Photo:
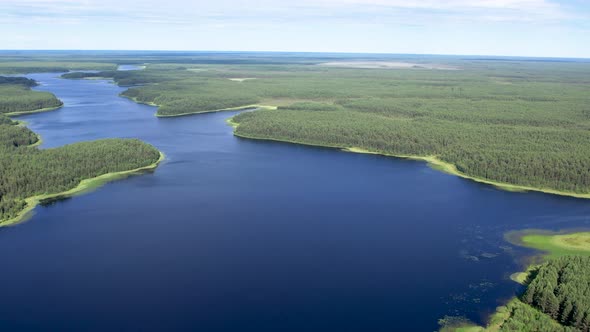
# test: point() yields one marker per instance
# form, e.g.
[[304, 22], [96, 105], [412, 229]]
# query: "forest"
[[16, 96], [27, 82], [21, 65], [27, 171], [557, 298], [561, 290], [507, 122]]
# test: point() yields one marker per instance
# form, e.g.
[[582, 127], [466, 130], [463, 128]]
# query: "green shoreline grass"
[[237, 108], [40, 110], [84, 186], [433, 161], [553, 244]]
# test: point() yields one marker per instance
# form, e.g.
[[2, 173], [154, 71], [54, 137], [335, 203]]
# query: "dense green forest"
[[561, 290], [26, 171], [524, 123], [18, 80], [16, 96], [19, 66], [557, 298], [524, 318]]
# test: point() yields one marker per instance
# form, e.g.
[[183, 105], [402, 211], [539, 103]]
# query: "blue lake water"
[[231, 234]]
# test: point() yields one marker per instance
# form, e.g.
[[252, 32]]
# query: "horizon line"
[[297, 52]]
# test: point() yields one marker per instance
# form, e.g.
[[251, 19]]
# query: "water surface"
[[238, 235]]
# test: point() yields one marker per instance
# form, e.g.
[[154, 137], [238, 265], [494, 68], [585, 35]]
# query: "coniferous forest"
[[561, 290], [16, 96], [525, 123], [519, 123], [556, 299], [27, 171]]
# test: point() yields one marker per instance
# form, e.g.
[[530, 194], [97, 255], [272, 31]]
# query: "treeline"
[[177, 99], [50, 66], [561, 290], [26, 171], [18, 81], [523, 123], [20, 98], [311, 106], [13, 135], [80, 75], [524, 318], [528, 156], [556, 299]]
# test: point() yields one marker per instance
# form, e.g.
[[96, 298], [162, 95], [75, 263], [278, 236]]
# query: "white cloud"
[[233, 11]]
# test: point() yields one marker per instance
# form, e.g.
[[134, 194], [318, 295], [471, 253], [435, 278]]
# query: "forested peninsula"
[[29, 175], [16, 97], [556, 299], [516, 125], [557, 294]]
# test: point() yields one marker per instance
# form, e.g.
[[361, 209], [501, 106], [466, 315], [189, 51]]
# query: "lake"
[[230, 234]]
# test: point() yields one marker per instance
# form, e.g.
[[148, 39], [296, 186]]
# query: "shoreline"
[[84, 186], [548, 245], [237, 108], [552, 243], [40, 110], [433, 161]]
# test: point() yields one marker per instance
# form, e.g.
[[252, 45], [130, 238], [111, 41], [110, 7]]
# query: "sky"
[[548, 28]]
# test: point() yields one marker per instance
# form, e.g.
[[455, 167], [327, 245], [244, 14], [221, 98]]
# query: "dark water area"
[[231, 234]]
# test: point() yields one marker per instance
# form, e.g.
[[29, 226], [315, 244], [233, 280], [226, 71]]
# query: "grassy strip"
[[433, 161], [134, 99], [34, 111], [556, 245], [449, 168], [525, 277], [504, 314], [238, 108], [39, 141], [85, 185]]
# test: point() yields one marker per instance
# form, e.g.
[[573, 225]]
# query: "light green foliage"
[[559, 244], [14, 66], [524, 318], [514, 316]]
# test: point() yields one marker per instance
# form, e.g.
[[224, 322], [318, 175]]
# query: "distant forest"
[[521, 123]]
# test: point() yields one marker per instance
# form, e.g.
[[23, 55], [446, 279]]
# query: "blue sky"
[[482, 27]]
